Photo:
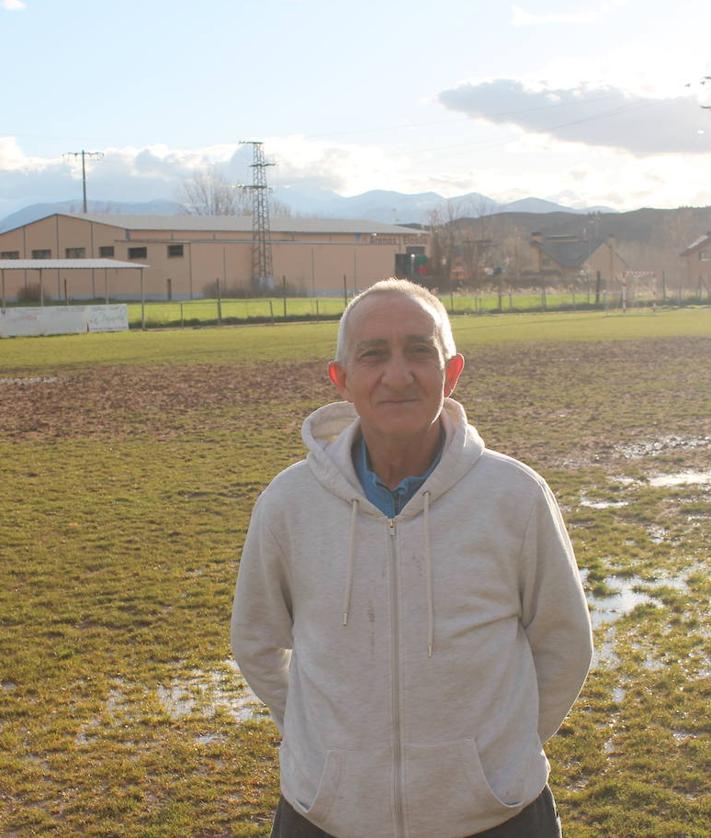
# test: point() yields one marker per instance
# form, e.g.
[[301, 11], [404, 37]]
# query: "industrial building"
[[184, 255]]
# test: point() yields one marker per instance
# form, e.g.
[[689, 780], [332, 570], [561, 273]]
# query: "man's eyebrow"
[[376, 343]]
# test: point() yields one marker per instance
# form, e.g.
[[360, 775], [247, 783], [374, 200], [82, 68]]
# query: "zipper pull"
[[391, 526]]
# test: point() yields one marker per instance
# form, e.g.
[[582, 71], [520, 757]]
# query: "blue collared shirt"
[[389, 502]]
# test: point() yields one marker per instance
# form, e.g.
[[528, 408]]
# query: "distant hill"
[[376, 205]]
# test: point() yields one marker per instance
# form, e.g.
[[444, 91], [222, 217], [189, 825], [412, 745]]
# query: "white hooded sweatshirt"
[[413, 665]]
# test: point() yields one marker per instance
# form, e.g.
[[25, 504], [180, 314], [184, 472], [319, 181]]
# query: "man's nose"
[[397, 372]]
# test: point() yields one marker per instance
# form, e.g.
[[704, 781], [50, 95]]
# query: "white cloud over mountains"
[[13, 5], [158, 171], [593, 115]]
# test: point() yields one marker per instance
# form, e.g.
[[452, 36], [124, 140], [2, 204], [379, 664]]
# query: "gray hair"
[[407, 289]]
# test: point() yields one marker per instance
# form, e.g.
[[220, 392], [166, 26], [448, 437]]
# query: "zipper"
[[397, 733]]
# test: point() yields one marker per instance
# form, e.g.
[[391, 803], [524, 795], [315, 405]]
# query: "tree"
[[208, 193]]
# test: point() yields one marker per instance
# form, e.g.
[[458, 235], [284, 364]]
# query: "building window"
[[10, 254], [705, 256], [175, 250], [106, 252], [41, 254], [137, 252], [75, 252]]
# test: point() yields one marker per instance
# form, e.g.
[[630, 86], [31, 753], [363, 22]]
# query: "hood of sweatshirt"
[[330, 432]]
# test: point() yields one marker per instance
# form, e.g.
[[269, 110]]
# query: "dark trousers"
[[538, 820]]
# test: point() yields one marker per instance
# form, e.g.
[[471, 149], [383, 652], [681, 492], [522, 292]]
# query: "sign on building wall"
[[62, 320]]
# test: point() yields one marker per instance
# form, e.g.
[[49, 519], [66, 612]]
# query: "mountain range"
[[377, 205]]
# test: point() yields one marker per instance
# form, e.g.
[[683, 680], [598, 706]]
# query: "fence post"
[[271, 311], [182, 317], [219, 303], [283, 286], [451, 302], [143, 303], [345, 292], [66, 296]]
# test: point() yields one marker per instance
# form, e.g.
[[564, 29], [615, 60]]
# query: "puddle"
[[682, 478], [602, 504], [683, 735], [624, 599], [9, 686], [202, 692], [625, 481], [579, 785], [23, 382], [652, 664], [207, 692], [618, 695], [604, 653], [657, 534], [209, 738], [652, 448]]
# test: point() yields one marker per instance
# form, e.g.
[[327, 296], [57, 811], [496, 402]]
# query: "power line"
[[92, 155]]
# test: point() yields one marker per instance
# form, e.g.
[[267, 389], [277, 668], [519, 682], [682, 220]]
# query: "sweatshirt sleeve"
[[261, 627], [554, 613]]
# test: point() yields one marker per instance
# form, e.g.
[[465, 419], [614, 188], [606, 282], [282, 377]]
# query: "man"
[[408, 604]]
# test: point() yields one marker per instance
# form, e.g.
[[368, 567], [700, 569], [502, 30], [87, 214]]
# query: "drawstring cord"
[[428, 576], [351, 551]]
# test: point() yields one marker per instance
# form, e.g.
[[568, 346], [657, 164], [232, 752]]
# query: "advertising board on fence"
[[62, 320]]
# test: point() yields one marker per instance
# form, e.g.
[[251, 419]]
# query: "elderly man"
[[408, 603]]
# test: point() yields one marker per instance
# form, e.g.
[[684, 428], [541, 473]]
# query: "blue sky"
[[585, 103]]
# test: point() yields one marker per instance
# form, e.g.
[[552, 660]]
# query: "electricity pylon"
[[262, 272]]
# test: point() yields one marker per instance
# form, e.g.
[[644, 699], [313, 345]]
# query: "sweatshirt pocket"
[[349, 797], [446, 791]]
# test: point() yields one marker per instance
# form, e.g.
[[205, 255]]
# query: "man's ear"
[[337, 374], [452, 370]]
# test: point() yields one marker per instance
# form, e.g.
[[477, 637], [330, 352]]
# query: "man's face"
[[395, 372]]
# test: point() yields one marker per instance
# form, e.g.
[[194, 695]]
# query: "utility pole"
[[92, 155], [262, 271]]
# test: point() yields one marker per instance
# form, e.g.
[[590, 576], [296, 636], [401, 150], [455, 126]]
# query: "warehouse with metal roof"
[[186, 254]]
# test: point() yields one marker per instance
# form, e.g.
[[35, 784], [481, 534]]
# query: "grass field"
[[130, 465], [194, 312]]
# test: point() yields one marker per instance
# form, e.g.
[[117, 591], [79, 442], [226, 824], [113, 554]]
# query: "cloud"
[[589, 14], [593, 115], [13, 5], [158, 171]]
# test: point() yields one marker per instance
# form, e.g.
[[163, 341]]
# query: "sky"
[[585, 102]]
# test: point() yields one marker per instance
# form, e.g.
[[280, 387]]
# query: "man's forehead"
[[374, 314]]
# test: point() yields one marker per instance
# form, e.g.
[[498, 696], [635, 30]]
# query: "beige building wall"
[[182, 263]]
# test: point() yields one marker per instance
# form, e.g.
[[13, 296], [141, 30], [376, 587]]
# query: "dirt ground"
[[574, 402]]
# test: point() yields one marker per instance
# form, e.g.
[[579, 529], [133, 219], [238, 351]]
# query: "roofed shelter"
[[61, 265]]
